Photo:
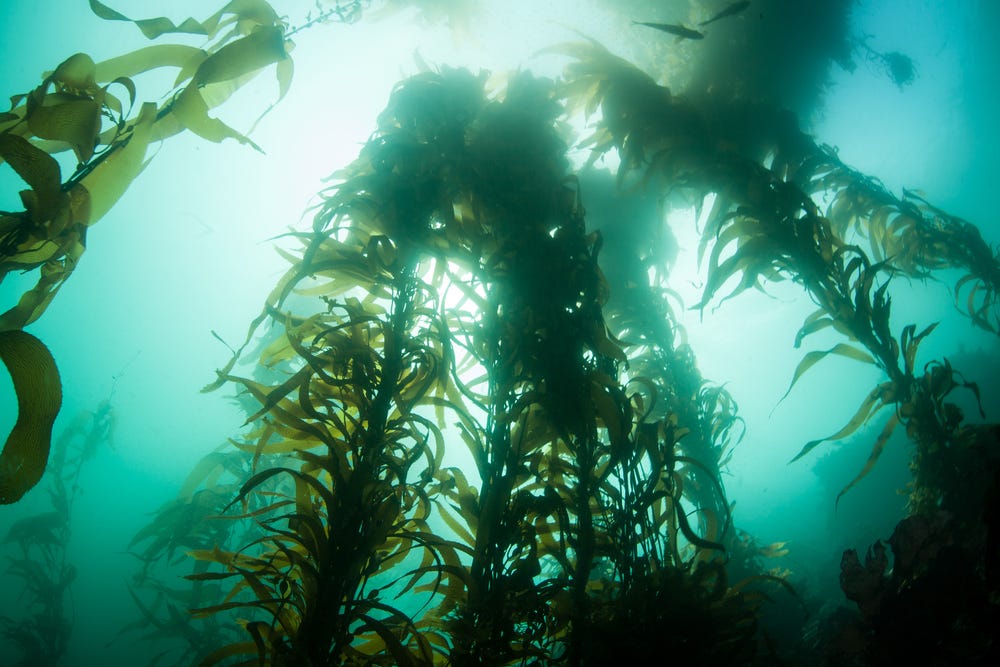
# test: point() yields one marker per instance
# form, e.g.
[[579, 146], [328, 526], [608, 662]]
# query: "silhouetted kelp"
[[581, 479], [768, 216], [937, 603], [457, 295], [42, 632]]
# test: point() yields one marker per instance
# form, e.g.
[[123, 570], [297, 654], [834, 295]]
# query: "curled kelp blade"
[[39, 396]]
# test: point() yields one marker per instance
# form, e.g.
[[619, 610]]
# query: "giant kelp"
[[763, 177], [581, 494], [765, 226], [72, 109], [79, 107], [450, 298]]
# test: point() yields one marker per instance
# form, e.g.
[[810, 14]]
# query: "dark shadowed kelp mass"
[[476, 432]]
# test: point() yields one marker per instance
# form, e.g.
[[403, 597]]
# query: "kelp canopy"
[[475, 432]]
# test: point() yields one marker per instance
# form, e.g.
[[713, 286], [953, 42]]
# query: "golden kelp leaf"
[[9, 119], [876, 452], [284, 71], [114, 106], [222, 374], [610, 414], [254, 12], [459, 529], [811, 358], [191, 110], [910, 342], [33, 245], [639, 398], [388, 634], [774, 550], [70, 118], [259, 49], [51, 277], [39, 397], [153, 28], [604, 344], [753, 256], [75, 74], [691, 535], [816, 321], [277, 351], [39, 170], [873, 403], [206, 466], [109, 180], [146, 59]]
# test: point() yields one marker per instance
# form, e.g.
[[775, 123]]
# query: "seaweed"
[[71, 109], [765, 227], [451, 301], [581, 493], [42, 566], [39, 397], [934, 604]]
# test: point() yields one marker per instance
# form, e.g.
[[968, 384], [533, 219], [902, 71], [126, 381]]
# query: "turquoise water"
[[188, 251]]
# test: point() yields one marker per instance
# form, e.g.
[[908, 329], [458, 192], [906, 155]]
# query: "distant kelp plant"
[[41, 565], [188, 523]]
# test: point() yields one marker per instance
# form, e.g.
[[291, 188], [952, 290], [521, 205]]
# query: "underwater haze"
[[608, 153]]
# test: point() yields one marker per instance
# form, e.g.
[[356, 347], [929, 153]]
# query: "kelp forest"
[[476, 432]]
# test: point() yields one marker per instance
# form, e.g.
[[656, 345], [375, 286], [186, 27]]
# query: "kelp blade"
[[39, 397]]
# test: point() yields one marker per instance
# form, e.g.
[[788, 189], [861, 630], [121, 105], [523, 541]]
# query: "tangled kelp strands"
[[476, 433], [428, 261], [764, 211], [582, 492]]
